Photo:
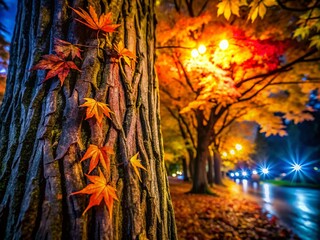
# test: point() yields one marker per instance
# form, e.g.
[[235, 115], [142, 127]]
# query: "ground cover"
[[229, 215]]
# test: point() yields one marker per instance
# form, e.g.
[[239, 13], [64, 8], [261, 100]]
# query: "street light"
[[202, 49], [297, 167], [194, 53], [238, 147], [224, 44]]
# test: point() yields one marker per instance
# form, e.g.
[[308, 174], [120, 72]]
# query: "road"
[[296, 208]]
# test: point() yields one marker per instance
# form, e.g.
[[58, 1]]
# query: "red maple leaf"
[[91, 20], [98, 154], [64, 49], [56, 65], [99, 189]]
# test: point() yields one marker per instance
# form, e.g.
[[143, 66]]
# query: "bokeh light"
[[224, 44]]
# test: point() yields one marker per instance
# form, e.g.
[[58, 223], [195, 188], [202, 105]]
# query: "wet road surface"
[[296, 208]]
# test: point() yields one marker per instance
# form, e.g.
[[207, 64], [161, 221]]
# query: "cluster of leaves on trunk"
[[60, 64]]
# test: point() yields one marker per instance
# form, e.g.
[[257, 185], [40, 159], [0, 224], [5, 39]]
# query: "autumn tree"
[[81, 86], [263, 75]]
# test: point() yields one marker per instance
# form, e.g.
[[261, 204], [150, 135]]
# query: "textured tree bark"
[[43, 134]]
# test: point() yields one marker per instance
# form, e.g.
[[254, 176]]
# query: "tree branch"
[[283, 6], [281, 69]]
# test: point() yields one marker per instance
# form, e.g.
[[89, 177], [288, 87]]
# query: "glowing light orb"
[[232, 174], [254, 172], [232, 152], [224, 44], [194, 53], [237, 174], [296, 167], [202, 49], [238, 146], [224, 154], [265, 170], [244, 173]]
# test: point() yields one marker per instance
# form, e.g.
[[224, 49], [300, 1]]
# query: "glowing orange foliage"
[[98, 154], [99, 190], [91, 20], [96, 109]]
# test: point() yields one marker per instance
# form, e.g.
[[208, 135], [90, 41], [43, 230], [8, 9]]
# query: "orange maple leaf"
[[137, 164], [64, 49], [56, 65], [91, 20], [96, 109], [99, 189], [98, 154], [124, 53]]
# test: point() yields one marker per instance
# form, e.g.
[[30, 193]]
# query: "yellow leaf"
[[221, 7], [270, 3], [243, 3], [96, 109], [303, 32], [235, 7], [315, 41], [124, 53], [262, 10], [254, 14], [135, 163]]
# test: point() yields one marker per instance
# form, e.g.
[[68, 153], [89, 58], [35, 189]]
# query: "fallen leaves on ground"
[[228, 215]]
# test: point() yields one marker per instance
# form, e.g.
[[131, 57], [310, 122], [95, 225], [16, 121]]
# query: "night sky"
[[7, 18]]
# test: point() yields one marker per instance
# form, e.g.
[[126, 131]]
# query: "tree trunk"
[[210, 168], [217, 168], [191, 161], [199, 178], [43, 134], [185, 169]]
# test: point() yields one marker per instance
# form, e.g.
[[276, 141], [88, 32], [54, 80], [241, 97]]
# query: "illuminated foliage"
[[263, 75]]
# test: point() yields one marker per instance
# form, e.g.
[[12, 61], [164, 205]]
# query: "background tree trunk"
[[199, 178], [43, 134], [185, 169], [217, 168], [210, 168]]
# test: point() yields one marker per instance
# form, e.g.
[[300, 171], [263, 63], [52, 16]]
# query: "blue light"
[[244, 173], [254, 172], [265, 170], [237, 174], [297, 167], [232, 174]]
